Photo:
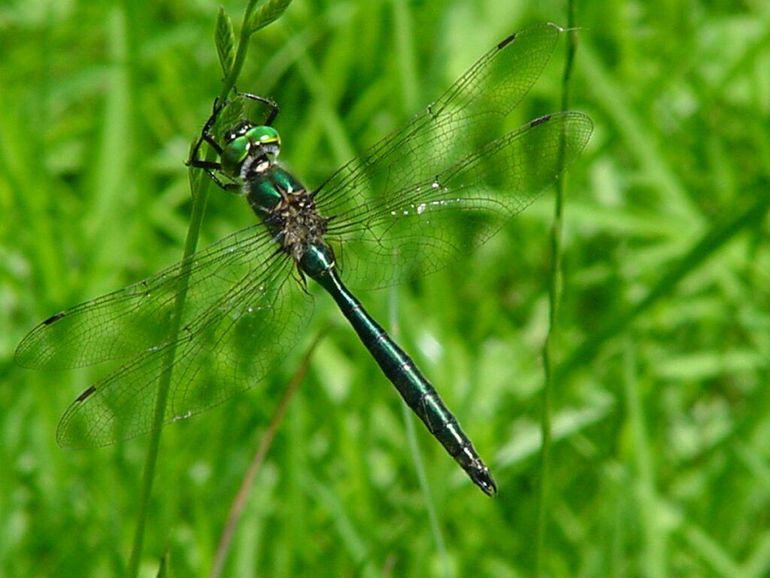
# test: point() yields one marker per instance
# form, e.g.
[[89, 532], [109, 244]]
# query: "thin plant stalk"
[[200, 198], [554, 300], [406, 59], [417, 461]]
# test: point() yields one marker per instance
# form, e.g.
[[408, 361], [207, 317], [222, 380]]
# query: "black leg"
[[213, 168], [207, 137], [269, 103]]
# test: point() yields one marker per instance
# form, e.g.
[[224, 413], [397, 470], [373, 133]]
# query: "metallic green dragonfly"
[[421, 197]]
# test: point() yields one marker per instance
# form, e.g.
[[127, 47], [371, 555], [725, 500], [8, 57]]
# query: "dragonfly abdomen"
[[318, 263]]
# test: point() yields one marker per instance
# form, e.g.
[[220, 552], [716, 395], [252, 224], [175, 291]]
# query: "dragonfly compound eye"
[[267, 139], [255, 142], [235, 152]]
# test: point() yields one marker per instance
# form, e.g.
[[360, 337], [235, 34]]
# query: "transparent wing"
[[137, 318], [216, 356], [430, 222], [472, 106], [243, 313], [380, 187]]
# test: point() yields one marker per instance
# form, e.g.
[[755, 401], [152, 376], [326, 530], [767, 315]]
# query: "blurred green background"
[[660, 464]]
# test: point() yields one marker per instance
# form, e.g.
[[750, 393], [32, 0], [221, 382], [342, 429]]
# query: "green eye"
[[255, 140], [264, 135], [234, 153]]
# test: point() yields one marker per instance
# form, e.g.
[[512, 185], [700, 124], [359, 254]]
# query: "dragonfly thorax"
[[287, 209]]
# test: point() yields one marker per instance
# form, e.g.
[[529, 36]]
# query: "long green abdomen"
[[399, 368]]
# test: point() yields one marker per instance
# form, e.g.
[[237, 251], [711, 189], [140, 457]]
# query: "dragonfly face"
[[249, 149]]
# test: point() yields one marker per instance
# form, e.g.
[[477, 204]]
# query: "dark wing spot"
[[541, 120], [86, 394], [506, 41], [54, 318]]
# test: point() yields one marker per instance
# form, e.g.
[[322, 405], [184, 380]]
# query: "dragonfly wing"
[[466, 116], [434, 221], [222, 352], [126, 322]]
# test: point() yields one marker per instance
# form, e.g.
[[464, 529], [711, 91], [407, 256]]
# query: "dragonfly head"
[[249, 142]]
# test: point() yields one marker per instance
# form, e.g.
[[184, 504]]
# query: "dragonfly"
[[418, 200]]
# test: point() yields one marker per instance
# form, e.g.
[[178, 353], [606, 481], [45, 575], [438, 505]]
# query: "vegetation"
[[659, 465]]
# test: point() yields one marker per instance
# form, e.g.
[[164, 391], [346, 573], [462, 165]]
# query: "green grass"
[[660, 453]]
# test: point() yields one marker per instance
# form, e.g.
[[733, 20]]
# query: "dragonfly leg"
[[208, 137], [211, 167], [268, 102]]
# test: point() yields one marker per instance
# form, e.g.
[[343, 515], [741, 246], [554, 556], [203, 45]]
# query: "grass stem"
[[554, 298]]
